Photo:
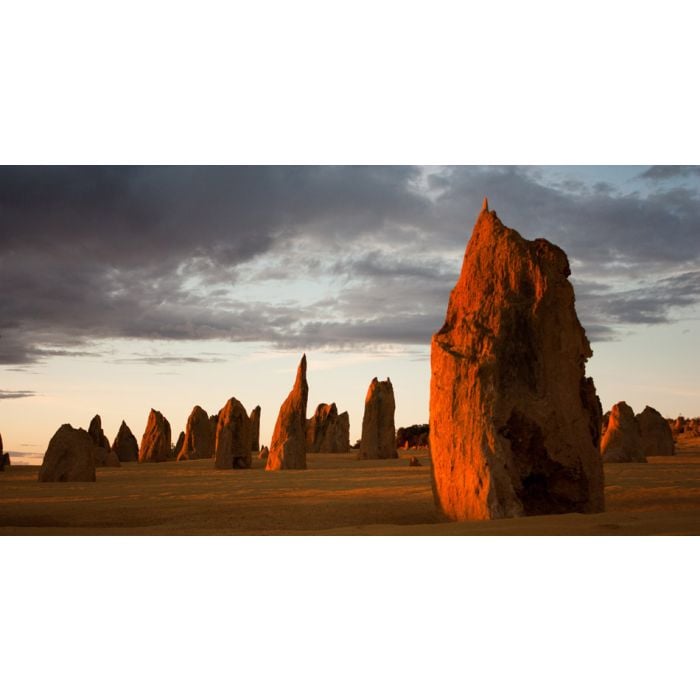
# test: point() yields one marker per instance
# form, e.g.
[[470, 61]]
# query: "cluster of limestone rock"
[[4, 457], [682, 425], [630, 438]]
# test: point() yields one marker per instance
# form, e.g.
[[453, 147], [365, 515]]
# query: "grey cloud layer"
[[161, 253]]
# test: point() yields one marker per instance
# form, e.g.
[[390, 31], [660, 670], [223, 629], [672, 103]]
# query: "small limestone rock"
[[288, 446], [156, 441], [255, 429], [328, 431], [70, 456], [622, 441], [104, 456], [198, 440], [264, 453], [125, 445], [514, 421], [378, 432], [655, 432], [233, 437], [414, 462], [177, 448]]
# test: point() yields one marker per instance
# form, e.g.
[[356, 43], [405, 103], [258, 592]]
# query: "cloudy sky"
[[124, 288]]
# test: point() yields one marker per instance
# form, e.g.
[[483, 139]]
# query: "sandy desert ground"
[[336, 495]]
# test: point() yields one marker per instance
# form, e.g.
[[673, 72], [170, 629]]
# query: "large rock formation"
[[514, 421], [155, 443], [70, 456], [255, 429], [125, 445], [622, 441], [233, 437], [328, 431], [378, 439], [199, 439], [288, 446], [104, 455], [655, 433]]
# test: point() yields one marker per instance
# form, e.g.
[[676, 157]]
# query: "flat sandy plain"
[[336, 495]]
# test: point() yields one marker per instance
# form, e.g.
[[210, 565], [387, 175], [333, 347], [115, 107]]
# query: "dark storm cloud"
[[159, 253], [664, 172]]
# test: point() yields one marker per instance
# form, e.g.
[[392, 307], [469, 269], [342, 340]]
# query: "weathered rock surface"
[[327, 430], [125, 445], [622, 441], [378, 439], [255, 429], [655, 433], [514, 422], [198, 441], [288, 446], [156, 440], [233, 437], [104, 456], [70, 456]]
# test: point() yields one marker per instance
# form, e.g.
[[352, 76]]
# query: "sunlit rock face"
[[378, 431], [622, 441], [288, 445], [155, 443], [327, 430], [514, 421], [233, 437], [255, 428], [70, 456], [125, 445], [198, 440], [655, 433]]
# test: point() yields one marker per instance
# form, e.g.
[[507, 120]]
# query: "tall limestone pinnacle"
[[288, 446], [514, 421]]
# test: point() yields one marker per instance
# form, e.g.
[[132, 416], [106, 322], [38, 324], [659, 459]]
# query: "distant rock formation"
[[328, 431], [288, 446], [233, 437], [514, 421], [179, 444], [414, 462], [412, 436], [655, 433], [70, 456], [255, 429], [198, 441], [378, 439], [156, 440], [4, 457], [125, 445], [622, 441], [104, 455], [264, 453]]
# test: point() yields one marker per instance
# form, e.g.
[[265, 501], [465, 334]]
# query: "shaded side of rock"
[[233, 437], [156, 441], [622, 441], [125, 445], [378, 439], [69, 456], [288, 446], [514, 421], [179, 445], [655, 433]]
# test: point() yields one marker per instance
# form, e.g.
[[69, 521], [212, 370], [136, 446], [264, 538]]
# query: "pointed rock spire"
[[288, 446], [485, 205]]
